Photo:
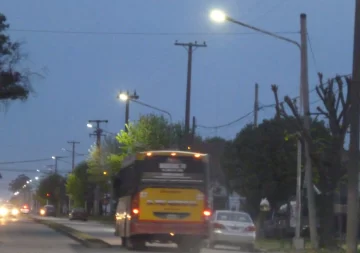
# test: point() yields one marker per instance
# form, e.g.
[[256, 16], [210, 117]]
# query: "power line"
[[261, 107], [140, 33], [26, 171], [230, 123], [27, 161]]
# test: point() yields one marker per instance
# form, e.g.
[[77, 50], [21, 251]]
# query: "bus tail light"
[[207, 211], [135, 205]]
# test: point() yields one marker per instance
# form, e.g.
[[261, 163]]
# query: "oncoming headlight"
[[42, 212], [3, 211], [14, 211]]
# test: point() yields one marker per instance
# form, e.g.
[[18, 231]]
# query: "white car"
[[232, 228]]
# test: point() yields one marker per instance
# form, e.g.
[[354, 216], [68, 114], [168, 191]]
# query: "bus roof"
[[169, 152], [141, 155]]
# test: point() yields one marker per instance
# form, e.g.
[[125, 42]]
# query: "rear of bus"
[[171, 203]]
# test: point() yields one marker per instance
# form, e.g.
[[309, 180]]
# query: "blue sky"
[[85, 70]]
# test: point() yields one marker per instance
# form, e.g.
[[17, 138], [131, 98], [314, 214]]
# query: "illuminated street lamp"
[[127, 97], [89, 125], [123, 96], [218, 16]]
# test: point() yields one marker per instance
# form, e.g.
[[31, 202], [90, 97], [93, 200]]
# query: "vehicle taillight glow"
[[250, 229], [218, 226], [135, 205], [207, 213]]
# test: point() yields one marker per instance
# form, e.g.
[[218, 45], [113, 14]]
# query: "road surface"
[[106, 233], [24, 236]]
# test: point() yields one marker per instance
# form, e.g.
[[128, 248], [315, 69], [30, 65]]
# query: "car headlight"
[[15, 211], [3, 211], [42, 211]]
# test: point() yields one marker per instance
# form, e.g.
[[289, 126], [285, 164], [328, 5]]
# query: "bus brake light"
[[135, 211], [207, 213]]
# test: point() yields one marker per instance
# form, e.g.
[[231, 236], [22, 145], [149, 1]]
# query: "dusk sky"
[[89, 50]]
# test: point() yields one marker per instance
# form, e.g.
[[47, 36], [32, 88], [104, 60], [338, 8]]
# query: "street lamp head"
[[123, 96], [53, 157], [89, 125], [218, 16]]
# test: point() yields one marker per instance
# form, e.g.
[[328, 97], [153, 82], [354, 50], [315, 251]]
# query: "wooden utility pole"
[[306, 106], [256, 105], [98, 132], [353, 168], [190, 47], [73, 143]]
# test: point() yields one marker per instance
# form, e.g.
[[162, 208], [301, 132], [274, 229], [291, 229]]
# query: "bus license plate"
[[171, 216]]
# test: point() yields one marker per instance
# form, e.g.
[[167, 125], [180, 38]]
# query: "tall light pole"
[[55, 158], [127, 99], [353, 168], [220, 16]]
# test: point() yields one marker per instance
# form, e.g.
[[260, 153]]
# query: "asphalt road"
[[106, 233], [24, 236]]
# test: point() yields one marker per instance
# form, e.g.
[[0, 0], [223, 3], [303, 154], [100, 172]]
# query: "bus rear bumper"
[[172, 229]]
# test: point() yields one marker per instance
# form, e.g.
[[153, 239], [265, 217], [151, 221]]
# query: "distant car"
[[232, 228], [8, 210], [25, 209], [48, 210], [78, 213]]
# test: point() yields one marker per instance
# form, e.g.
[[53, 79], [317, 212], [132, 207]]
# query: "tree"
[[150, 132], [330, 167], [262, 161], [52, 188], [14, 84], [76, 184], [18, 183]]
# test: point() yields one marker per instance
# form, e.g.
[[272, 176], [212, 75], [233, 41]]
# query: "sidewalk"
[[95, 229]]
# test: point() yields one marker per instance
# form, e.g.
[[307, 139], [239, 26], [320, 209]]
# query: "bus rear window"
[[172, 169]]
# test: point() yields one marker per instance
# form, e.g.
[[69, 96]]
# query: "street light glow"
[[218, 16], [123, 97], [36, 178], [89, 125], [53, 157]]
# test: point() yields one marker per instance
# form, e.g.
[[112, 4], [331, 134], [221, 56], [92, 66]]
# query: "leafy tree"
[[14, 84], [53, 189], [18, 183], [335, 97], [150, 132], [262, 161], [76, 184]]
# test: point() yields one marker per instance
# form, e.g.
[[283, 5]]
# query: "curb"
[[85, 239]]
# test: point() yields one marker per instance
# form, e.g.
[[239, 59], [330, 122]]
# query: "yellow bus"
[[163, 197]]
